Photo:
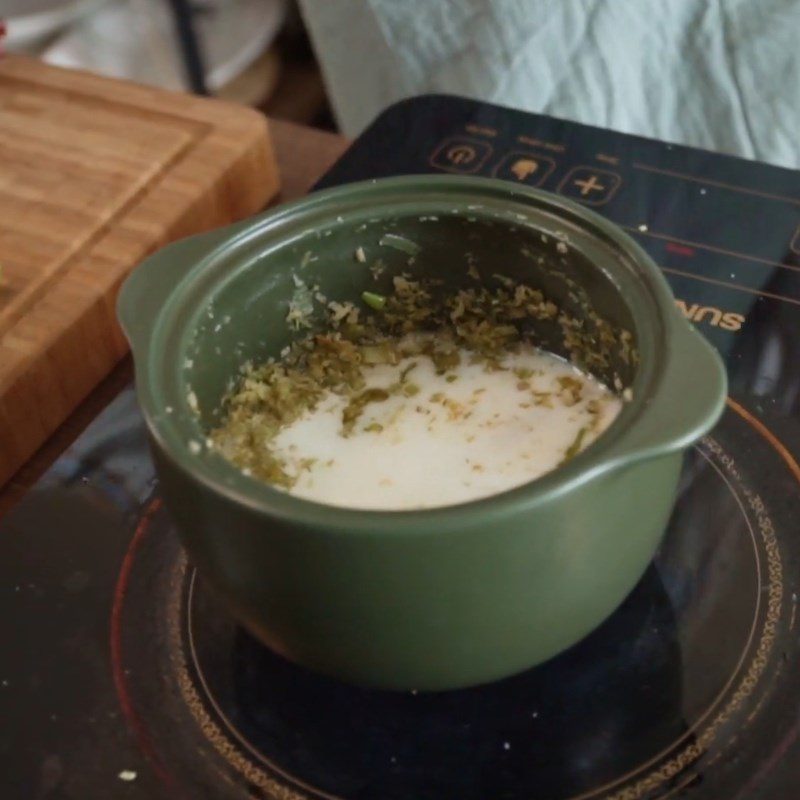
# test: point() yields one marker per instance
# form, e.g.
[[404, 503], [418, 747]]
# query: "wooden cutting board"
[[94, 175]]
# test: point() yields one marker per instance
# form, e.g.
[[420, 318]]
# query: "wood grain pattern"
[[303, 155], [94, 175]]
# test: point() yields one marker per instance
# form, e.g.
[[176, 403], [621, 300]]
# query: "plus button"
[[589, 185]]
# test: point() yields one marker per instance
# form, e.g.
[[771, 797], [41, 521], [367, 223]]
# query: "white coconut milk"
[[449, 438]]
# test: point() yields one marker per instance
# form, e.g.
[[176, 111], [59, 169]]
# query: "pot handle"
[[147, 288], [696, 388]]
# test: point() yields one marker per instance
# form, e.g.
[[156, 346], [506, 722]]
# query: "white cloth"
[[718, 74]]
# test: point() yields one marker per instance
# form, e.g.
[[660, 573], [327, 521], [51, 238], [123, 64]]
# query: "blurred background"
[[719, 75], [254, 52]]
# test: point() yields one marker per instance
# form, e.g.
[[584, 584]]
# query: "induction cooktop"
[[122, 677]]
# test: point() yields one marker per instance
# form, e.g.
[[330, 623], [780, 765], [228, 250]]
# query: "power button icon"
[[460, 154]]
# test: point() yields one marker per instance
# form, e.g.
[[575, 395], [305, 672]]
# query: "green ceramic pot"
[[430, 599]]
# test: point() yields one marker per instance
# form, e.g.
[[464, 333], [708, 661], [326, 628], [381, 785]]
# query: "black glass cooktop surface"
[[121, 676]]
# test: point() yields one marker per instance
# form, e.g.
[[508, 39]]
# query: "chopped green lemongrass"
[[399, 243], [575, 447], [373, 300], [357, 404], [406, 370]]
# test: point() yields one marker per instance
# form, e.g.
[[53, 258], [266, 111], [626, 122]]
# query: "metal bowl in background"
[[429, 599], [30, 22], [136, 40]]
